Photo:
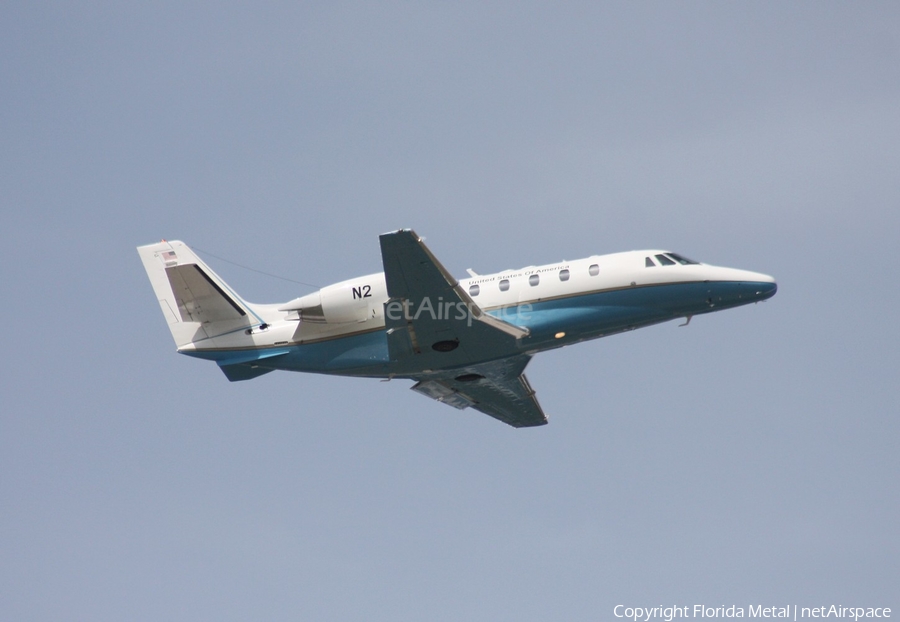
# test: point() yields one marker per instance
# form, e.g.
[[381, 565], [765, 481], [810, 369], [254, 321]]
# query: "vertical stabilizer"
[[197, 304]]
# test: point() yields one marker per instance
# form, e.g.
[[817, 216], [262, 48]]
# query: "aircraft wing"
[[460, 355], [431, 321], [498, 389]]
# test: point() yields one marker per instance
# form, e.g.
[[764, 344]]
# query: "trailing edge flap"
[[428, 309], [498, 389]]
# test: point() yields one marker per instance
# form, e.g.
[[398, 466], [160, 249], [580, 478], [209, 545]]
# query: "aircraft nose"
[[766, 290], [762, 286]]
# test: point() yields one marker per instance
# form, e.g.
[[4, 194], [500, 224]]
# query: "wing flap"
[[443, 393]]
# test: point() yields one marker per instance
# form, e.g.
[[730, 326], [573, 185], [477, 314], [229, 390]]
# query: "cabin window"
[[534, 279], [563, 275], [474, 290], [665, 260], [684, 261], [594, 270], [504, 285], [648, 262]]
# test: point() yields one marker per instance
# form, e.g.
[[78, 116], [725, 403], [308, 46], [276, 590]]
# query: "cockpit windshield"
[[669, 259], [684, 261], [665, 261]]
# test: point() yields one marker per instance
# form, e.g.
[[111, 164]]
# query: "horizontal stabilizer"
[[244, 371], [250, 364]]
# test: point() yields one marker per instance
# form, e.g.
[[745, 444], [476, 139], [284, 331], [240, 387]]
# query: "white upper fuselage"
[[593, 274]]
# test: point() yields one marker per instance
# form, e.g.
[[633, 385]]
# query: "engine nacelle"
[[341, 303]]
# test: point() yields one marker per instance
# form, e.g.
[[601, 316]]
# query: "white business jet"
[[465, 342]]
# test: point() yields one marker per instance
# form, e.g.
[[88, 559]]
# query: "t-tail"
[[199, 306]]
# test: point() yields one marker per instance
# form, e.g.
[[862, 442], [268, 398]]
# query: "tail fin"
[[196, 303]]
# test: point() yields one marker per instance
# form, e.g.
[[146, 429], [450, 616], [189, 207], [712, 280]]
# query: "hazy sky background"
[[750, 458]]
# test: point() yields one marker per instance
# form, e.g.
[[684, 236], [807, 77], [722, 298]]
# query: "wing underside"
[[498, 389]]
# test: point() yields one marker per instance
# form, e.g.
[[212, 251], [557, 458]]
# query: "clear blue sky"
[[750, 458]]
